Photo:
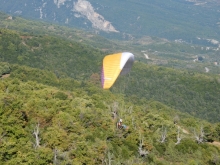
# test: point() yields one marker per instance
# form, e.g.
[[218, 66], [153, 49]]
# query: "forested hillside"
[[150, 50], [197, 94], [54, 111], [44, 28], [191, 92], [49, 53], [46, 120]]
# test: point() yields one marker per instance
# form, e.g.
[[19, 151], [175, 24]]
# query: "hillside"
[[53, 110], [150, 50], [68, 122], [49, 53], [187, 91], [130, 19], [191, 92]]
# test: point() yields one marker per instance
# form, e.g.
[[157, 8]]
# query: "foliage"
[[161, 52], [4, 69], [52, 85], [70, 59], [46, 52], [191, 92], [75, 126]]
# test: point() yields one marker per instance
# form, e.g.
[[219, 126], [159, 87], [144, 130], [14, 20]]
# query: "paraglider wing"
[[115, 65]]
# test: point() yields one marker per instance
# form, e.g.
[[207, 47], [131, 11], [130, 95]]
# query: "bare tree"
[[179, 137], [163, 135], [36, 134], [114, 109], [114, 115], [199, 137], [60, 157], [109, 159], [142, 152], [215, 159], [130, 109], [176, 119], [55, 156], [115, 106]]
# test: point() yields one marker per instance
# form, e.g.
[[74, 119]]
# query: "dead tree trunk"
[[36, 134], [109, 159], [114, 110], [179, 137], [142, 152], [176, 119], [199, 137], [163, 135], [215, 159], [55, 156]]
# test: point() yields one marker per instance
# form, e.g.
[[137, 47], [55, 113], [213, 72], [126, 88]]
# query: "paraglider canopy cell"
[[115, 65]]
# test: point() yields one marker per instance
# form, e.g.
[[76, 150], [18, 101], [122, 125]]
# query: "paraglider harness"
[[120, 125]]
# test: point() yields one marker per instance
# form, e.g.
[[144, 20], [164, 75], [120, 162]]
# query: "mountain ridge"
[[172, 20]]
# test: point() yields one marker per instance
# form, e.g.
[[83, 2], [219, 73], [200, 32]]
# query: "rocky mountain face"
[[86, 9], [61, 11], [185, 20]]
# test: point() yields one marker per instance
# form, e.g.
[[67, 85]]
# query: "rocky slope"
[[185, 20]]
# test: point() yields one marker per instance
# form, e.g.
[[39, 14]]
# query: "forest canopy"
[[54, 111]]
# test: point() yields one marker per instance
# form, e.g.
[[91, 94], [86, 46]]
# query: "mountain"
[[151, 50], [192, 21], [188, 91], [53, 111]]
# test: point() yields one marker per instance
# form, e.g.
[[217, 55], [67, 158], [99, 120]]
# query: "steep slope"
[[46, 52], [189, 92], [75, 125], [151, 50], [52, 109], [44, 28], [170, 19]]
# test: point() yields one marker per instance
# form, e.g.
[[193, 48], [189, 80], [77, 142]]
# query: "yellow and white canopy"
[[115, 65]]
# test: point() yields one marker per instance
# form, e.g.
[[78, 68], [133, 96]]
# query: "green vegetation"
[[4, 69], [53, 111], [160, 51], [30, 27], [184, 90], [49, 53], [191, 92], [67, 122]]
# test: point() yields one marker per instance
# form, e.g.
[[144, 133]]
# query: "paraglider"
[[115, 65], [121, 126]]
